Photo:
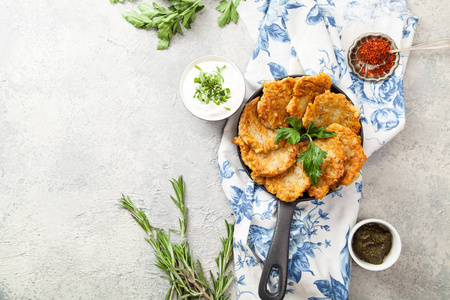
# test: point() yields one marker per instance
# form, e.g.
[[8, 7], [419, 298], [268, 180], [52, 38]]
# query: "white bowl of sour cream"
[[233, 80]]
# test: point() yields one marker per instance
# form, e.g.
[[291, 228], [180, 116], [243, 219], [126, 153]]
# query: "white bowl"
[[392, 256], [233, 80]]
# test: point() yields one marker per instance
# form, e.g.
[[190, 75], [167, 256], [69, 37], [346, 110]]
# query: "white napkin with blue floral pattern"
[[309, 37]]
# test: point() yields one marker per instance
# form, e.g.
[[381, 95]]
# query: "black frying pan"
[[277, 256]]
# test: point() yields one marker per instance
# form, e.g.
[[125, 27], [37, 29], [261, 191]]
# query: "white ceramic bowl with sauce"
[[233, 80], [391, 257]]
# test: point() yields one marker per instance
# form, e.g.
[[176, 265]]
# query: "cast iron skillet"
[[277, 256]]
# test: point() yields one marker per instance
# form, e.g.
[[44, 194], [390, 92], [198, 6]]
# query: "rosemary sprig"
[[185, 275]]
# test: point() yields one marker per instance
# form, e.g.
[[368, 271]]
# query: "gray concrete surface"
[[90, 110]]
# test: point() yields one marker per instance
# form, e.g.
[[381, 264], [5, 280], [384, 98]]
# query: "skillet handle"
[[278, 254]]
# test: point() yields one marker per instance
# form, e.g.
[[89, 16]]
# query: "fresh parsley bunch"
[[210, 88], [185, 275], [181, 13], [168, 21], [312, 157]]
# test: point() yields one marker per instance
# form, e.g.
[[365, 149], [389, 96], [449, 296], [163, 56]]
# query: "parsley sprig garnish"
[[312, 157], [210, 88], [185, 275]]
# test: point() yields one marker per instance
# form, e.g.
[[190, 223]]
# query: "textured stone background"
[[90, 110]]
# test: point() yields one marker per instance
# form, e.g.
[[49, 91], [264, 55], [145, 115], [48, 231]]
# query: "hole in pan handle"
[[277, 257]]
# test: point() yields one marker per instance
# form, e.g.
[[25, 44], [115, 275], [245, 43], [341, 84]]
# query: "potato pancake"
[[272, 106], [332, 167], [353, 150], [291, 184], [270, 163], [329, 108], [253, 132], [304, 92]]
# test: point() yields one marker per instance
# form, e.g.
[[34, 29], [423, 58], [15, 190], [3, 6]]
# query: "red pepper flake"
[[375, 52]]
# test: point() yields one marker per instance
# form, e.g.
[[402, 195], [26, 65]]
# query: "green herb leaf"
[[313, 131], [312, 159], [295, 123], [181, 13], [287, 133], [135, 19], [210, 87], [229, 12], [169, 21], [185, 275]]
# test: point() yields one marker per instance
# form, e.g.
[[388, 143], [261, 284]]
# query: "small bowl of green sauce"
[[374, 244]]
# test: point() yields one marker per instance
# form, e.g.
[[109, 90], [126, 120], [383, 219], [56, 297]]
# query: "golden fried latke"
[[304, 92], [259, 179], [256, 135], [272, 106], [332, 167], [270, 163], [353, 150], [329, 108], [291, 184]]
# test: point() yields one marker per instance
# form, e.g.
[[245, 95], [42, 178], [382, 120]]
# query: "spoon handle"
[[438, 44]]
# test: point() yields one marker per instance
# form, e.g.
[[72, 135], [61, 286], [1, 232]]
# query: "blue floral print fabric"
[[309, 37]]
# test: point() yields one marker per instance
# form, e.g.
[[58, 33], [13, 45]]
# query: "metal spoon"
[[438, 44]]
